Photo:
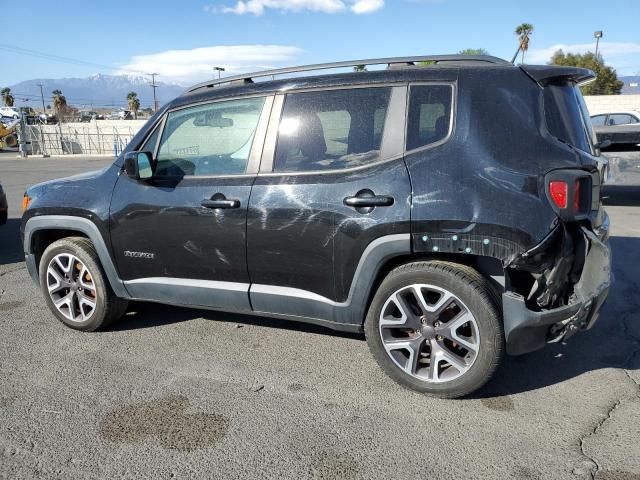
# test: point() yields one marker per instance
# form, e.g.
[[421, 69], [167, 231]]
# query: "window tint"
[[331, 129], [598, 120], [566, 120], [620, 119], [429, 114], [213, 139]]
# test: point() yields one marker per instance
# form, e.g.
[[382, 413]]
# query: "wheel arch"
[[490, 267], [43, 230]]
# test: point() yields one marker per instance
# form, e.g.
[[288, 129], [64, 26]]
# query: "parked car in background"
[[621, 128], [87, 116], [352, 201], [120, 115], [48, 118], [9, 112], [4, 208]]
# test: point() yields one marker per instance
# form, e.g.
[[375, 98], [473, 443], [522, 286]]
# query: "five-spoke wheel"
[[429, 332], [435, 327], [71, 288]]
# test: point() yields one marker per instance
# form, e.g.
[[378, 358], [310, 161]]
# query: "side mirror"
[[602, 144], [138, 165]]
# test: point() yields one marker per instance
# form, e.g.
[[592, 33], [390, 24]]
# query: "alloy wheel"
[[429, 333], [71, 287]]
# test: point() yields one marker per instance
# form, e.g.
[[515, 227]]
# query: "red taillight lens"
[[559, 192], [576, 197]]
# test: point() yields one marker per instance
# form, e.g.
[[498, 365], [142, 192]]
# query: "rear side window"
[[213, 139], [331, 130], [598, 120], [621, 119], [567, 116], [429, 114]]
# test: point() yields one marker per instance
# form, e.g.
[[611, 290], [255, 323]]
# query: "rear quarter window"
[[429, 117], [567, 117]]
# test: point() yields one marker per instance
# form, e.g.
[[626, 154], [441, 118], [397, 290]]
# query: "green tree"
[[524, 32], [7, 98], [134, 103], [360, 68], [473, 51], [606, 83], [59, 104]]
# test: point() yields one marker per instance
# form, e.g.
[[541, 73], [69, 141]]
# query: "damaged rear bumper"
[[528, 330]]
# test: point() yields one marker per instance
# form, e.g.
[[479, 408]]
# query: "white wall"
[[612, 103]]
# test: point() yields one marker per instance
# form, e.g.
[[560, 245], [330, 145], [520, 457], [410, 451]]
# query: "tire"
[[90, 285], [458, 320]]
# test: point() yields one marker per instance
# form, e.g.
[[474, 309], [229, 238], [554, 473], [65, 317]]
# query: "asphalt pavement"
[[180, 393]]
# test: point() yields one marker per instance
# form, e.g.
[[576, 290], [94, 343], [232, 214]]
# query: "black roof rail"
[[390, 61]]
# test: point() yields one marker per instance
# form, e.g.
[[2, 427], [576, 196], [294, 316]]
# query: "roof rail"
[[391, 61]]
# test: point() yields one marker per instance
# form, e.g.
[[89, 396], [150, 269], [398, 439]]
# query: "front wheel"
[[75, 287], [434, 327]]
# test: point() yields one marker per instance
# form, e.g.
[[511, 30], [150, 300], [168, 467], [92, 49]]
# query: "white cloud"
[[613, 52], [190, 66], [258, 7], [367, 6]]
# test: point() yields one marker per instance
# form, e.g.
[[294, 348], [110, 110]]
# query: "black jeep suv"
[[447, 206]]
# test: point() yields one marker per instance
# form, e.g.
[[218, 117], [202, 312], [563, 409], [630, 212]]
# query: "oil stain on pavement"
[[6, 306], [500, 404], [165, 420]]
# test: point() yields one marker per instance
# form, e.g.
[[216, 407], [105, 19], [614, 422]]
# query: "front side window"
[[331, 130], [212, 139], [429, 114]]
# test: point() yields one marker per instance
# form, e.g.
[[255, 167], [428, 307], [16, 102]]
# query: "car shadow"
[[10, 245], [149, 315], [621, 195]]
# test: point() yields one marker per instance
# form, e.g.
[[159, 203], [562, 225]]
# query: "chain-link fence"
[[69, 139]]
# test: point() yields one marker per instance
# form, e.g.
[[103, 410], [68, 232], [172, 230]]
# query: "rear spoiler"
[[545, 74]]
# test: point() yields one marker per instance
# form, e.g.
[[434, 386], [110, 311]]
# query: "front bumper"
[[527, 330]]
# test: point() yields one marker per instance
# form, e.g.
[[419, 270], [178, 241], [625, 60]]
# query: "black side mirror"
[[139, 165]]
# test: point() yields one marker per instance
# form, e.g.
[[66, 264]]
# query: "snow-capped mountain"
[[95, 91]]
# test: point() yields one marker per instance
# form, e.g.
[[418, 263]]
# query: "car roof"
[[635, 113]]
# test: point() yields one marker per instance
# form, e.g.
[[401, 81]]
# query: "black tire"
[[475, 292], [108, 308]]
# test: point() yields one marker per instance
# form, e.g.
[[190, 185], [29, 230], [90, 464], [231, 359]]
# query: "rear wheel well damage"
[[490, 268]]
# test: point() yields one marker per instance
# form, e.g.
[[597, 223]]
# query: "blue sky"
[[183, 39]]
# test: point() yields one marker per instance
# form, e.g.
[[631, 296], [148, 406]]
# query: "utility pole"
[[219, 70], [44, 110], [154, 86], [598, 35]]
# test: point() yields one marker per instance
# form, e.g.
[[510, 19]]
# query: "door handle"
[[372, 201], [222, 202]]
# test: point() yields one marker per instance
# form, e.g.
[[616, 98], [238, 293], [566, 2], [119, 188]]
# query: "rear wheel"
[[434, 327], [75, 287]]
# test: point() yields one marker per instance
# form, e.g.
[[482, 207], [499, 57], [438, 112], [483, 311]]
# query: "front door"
[[181, 237], [332, 182]]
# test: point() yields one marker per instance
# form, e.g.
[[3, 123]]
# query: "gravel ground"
[[180, 393]]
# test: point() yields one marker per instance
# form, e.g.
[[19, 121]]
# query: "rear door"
[[332, 181], [180, 237]]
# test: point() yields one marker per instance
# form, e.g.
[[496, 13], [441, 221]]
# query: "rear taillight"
[[558, 191], [576, 197], [570, 193]]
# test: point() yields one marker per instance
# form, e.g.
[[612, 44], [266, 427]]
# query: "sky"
[[183, 40]]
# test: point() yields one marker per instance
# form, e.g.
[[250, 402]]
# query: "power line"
[[59, 58]]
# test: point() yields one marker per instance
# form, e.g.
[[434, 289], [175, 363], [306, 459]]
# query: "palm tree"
[[59, 103], [134, 103], [7, 98], [524, 32]]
